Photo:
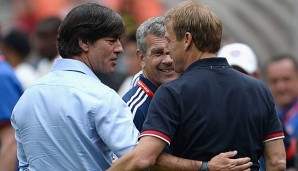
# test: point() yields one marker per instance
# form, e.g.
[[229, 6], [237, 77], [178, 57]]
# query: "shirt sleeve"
[[139, 119], [23, 162], [114, 124], [163, 115]]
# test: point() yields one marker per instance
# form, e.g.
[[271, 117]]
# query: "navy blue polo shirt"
[[213, 108]]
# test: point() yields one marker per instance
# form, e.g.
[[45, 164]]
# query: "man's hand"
[[223, 161]]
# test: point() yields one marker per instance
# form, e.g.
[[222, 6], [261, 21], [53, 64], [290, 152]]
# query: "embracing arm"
[[275, 155], [142, 157], [147, 154], [221, 162]]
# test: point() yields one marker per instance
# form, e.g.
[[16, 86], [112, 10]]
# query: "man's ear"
[[187, 40], [84, 45], [141, 58]]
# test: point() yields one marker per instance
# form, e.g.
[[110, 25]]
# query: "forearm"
[[168, 162], [220, 162], [130, 161], [8, 158], [275, 156], [275, 165], [142, 157]]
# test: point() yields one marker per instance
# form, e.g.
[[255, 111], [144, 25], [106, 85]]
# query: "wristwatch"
[[204, 166]]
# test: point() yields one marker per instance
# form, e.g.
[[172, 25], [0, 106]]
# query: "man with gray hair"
[[157, 69]]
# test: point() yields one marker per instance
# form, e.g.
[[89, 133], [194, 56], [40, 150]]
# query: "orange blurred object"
[[141, 10]]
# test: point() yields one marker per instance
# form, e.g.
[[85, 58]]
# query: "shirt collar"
[[148, 83], [216, 62], [72, 65]]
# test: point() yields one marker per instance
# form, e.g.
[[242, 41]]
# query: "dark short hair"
[[48, 25], [281, 57], [17, 41], [88, 22]]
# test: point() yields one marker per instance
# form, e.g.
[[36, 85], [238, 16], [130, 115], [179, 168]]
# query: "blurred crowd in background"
[[269, 27]]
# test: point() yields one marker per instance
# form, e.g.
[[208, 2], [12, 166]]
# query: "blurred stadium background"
[[270, 27]]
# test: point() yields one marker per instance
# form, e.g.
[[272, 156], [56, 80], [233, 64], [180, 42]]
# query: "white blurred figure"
[[241, 57]]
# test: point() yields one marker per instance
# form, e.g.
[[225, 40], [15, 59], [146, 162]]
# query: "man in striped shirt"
[[157, 68]]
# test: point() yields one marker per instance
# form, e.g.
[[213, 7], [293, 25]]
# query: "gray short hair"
[[154, 26]]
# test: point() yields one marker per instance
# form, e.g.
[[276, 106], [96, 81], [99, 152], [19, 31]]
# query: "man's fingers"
[[241, 161], [229, 154], [241, 167]]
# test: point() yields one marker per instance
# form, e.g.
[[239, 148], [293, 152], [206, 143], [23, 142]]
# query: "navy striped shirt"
[[138, 101]]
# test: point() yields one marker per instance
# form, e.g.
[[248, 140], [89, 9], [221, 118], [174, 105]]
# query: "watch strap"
[[204, 166]]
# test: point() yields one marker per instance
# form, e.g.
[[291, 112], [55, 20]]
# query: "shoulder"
[[72, 83], [8, 79], [130, 93], [137, 100], [135, 79]]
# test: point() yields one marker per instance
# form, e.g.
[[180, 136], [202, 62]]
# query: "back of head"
[[46, 32], [18, 42], [48, 25], [154, 26], [88, 22], [197, 19], [240, 55]]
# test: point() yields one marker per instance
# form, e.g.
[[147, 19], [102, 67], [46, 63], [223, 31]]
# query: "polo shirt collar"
[[209, 63], [148, 83]]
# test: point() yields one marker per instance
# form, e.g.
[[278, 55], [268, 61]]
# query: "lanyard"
[[145, 88]]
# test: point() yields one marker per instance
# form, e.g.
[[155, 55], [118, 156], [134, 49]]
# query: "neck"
[[286, 106], [14, 61], [85, 60], [145, 75], [199, 56]]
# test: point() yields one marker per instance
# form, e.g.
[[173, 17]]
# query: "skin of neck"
[[145, 75], [84, 58], [193, 55], [14, 60]]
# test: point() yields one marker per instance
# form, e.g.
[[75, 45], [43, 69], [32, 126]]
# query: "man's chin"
[[166, 80], [106, 72]]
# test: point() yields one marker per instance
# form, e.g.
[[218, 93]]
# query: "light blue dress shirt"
[[69, 120]]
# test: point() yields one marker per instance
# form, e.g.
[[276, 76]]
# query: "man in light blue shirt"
[[69, 120]]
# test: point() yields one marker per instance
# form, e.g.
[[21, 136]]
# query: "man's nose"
[[118, 47], [167, 59]]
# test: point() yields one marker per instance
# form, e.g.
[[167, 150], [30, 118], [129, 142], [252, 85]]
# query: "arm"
[[275, 155], [113, 117], [142, 157], [8, 156], [147, 153], [221, 162]]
